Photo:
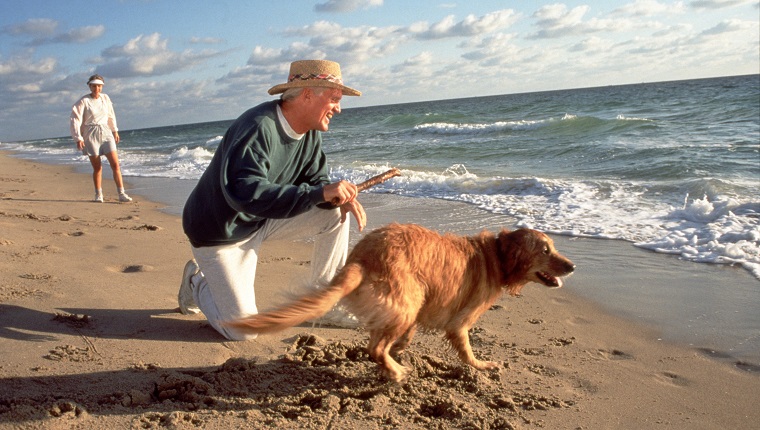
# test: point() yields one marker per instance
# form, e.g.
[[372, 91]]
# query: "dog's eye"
[[547, 250]]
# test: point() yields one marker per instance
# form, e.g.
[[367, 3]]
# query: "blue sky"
[[178, 62]]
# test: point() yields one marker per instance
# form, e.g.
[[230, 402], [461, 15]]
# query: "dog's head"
[[529, 256]]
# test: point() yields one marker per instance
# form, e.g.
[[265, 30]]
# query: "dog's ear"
[[512, 253], [515, 259]]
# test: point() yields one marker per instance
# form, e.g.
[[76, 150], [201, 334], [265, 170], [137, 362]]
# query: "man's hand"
[[80, 145], [343, 194], [355, 208], [340, 193]]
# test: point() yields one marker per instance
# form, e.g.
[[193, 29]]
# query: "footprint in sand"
[[36, 276], [671, 378], [132, 268], [578, 321], [614, 354], [137, 268], [560, 301], [147, 227], [43, 249]]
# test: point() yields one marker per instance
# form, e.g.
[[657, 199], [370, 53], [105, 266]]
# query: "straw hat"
[[314, 73]]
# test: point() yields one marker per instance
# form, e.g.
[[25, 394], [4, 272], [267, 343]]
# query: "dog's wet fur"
[[403, 276]]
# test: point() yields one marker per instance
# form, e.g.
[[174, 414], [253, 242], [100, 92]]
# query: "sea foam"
[[718, 229]]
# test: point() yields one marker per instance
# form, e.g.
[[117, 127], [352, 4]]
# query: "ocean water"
[[670, 167]]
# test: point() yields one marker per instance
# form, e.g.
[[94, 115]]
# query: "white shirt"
[[286, 125], [88, 111]]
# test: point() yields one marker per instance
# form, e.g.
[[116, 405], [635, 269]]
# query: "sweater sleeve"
[[77, 116], [111, 116], [256, 180]]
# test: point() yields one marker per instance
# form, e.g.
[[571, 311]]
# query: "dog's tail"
[[305, 308]]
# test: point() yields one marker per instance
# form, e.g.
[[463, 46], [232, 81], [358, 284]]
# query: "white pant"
[[223, 289]]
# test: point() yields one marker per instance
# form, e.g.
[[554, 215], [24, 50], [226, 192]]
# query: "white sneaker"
[[185, 298], [338, 317], [98, 198], [124, 198]]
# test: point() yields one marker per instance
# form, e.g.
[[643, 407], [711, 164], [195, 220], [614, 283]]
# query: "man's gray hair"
[[293, 93]]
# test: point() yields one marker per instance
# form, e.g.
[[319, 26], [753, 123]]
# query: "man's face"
[[324, 106]]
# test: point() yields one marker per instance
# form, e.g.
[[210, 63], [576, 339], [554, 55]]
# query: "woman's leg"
[[97, 172], [113, 160]]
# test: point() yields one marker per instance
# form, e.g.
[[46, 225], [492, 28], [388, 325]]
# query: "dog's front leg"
[[460, 341]]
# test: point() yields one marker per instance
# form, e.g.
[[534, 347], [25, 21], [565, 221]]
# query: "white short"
[[98, 141]]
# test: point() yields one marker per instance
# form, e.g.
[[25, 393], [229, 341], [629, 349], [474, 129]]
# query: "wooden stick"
[[379, 179], [375, 180]]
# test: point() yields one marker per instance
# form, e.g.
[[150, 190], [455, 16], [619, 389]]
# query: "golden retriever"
[[403, 276]]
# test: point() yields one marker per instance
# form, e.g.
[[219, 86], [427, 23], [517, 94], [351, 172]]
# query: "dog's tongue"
[[549, 280]]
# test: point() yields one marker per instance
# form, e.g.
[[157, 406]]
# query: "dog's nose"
[[570, 267]]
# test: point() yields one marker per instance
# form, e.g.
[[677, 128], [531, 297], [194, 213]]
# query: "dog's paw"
[[485, 365], [396, 373]]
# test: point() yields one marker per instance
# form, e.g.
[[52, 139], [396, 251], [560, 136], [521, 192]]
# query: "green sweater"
[[257, 172]]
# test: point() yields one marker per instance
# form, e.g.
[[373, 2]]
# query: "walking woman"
[[93, 128]]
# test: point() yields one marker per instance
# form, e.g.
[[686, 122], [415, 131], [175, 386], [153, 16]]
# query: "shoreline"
[[89, 299]]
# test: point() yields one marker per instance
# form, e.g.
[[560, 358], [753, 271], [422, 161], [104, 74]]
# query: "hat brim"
[[281, 88]]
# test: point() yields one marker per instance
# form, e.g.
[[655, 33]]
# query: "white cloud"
[[728, 26], [650, 8], [262, 55], [469, 26], [20, 66], [206, 40], [25, 84], [80, 35], [363, 43], [351, 43], [38, 27], [718, 4], [422, 60], [346, 5], [43, 31], [592, 44], [556, 21], [148, 55], [492, 49], [676, 29]]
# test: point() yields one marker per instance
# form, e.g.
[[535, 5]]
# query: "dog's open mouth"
[[549, 280]]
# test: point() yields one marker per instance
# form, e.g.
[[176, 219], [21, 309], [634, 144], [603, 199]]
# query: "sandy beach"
[[91, 337]]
